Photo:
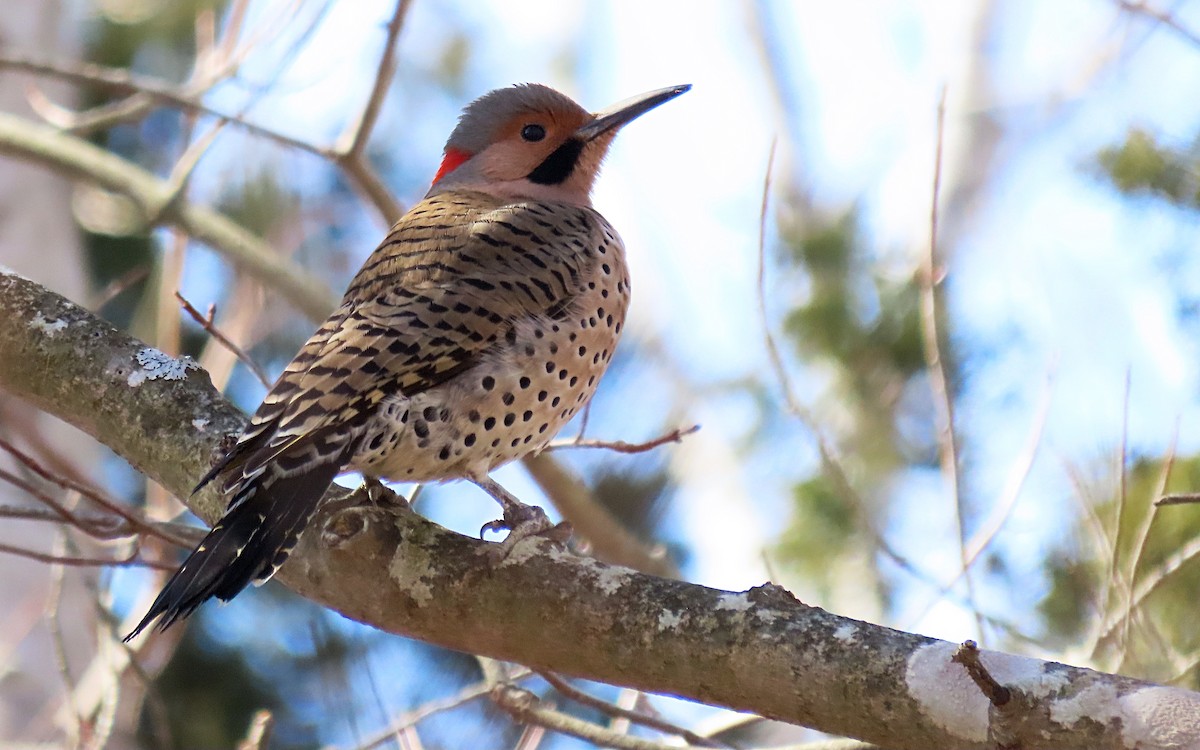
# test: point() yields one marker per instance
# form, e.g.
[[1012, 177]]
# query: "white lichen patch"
[[46, 326], [1160, 717], [410, 572], [200, 424], [734, 602], [669, 620], [949, 697], [157, 365], [532, 547], [767, 616], [1097, 702], [946, 693], [846, 632], [611, 578]]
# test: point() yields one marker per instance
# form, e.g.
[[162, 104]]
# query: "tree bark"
[[760, 650]]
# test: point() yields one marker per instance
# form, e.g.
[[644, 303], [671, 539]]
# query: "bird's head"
[[530, 141]]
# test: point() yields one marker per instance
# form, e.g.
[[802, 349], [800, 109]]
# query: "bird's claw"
[[533, 524]]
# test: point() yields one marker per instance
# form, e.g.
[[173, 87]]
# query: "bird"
[[478, 327]]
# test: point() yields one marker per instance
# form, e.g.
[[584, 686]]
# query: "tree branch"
[[158, 201], [760, 650]]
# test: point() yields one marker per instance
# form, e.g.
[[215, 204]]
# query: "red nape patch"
[[450, 162]]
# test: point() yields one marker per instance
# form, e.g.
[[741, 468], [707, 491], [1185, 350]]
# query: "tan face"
[[525, 142]]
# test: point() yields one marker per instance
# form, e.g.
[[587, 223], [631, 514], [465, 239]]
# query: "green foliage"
[[1142, 166], [861, 325], [1150, 626]]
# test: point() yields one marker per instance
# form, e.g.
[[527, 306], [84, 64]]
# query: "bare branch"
[[135, 522], [636, 717], [526, 707], [610, 541], [133, 560], [145, 88], [935, 366], [84, 161], [1141, 8], [620, 446], [351, 148], [206, 322], [831, 463], [1179, 498], [354, 140]]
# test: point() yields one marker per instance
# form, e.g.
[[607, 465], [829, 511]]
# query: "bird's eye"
[[533, 133]]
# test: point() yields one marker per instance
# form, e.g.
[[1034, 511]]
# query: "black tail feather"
[[249, 543]]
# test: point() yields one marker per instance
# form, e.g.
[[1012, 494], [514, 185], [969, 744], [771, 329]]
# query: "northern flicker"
[[472, 334]]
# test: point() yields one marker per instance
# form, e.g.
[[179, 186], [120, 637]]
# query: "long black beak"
[[624, 112]]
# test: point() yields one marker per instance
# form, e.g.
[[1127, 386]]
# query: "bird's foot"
[[379, 495], [536, 525], [520, 520]]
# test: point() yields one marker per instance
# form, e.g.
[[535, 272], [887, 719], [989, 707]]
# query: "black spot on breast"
[[524, 382], [508, 398], [509, 419], [550, 367], [488, 382], [430, 413], [421, 428], [542, 395], [528, 415], [469, 440], [489, 423], [444, 453]]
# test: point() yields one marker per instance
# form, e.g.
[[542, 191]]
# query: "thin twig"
[[573, 693], [122, 81], [1142, 535], [64, 513], [206, 322], [1161, 16], [935, 365], [830, 461], [118, 286], [1179, 498], [93, 165], [620, 446], [350, 150], [416, 716], [354, 140], [967, 655], [526, 707], [86, 562], [1005, 505], [1112, 582], [91, 494]]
